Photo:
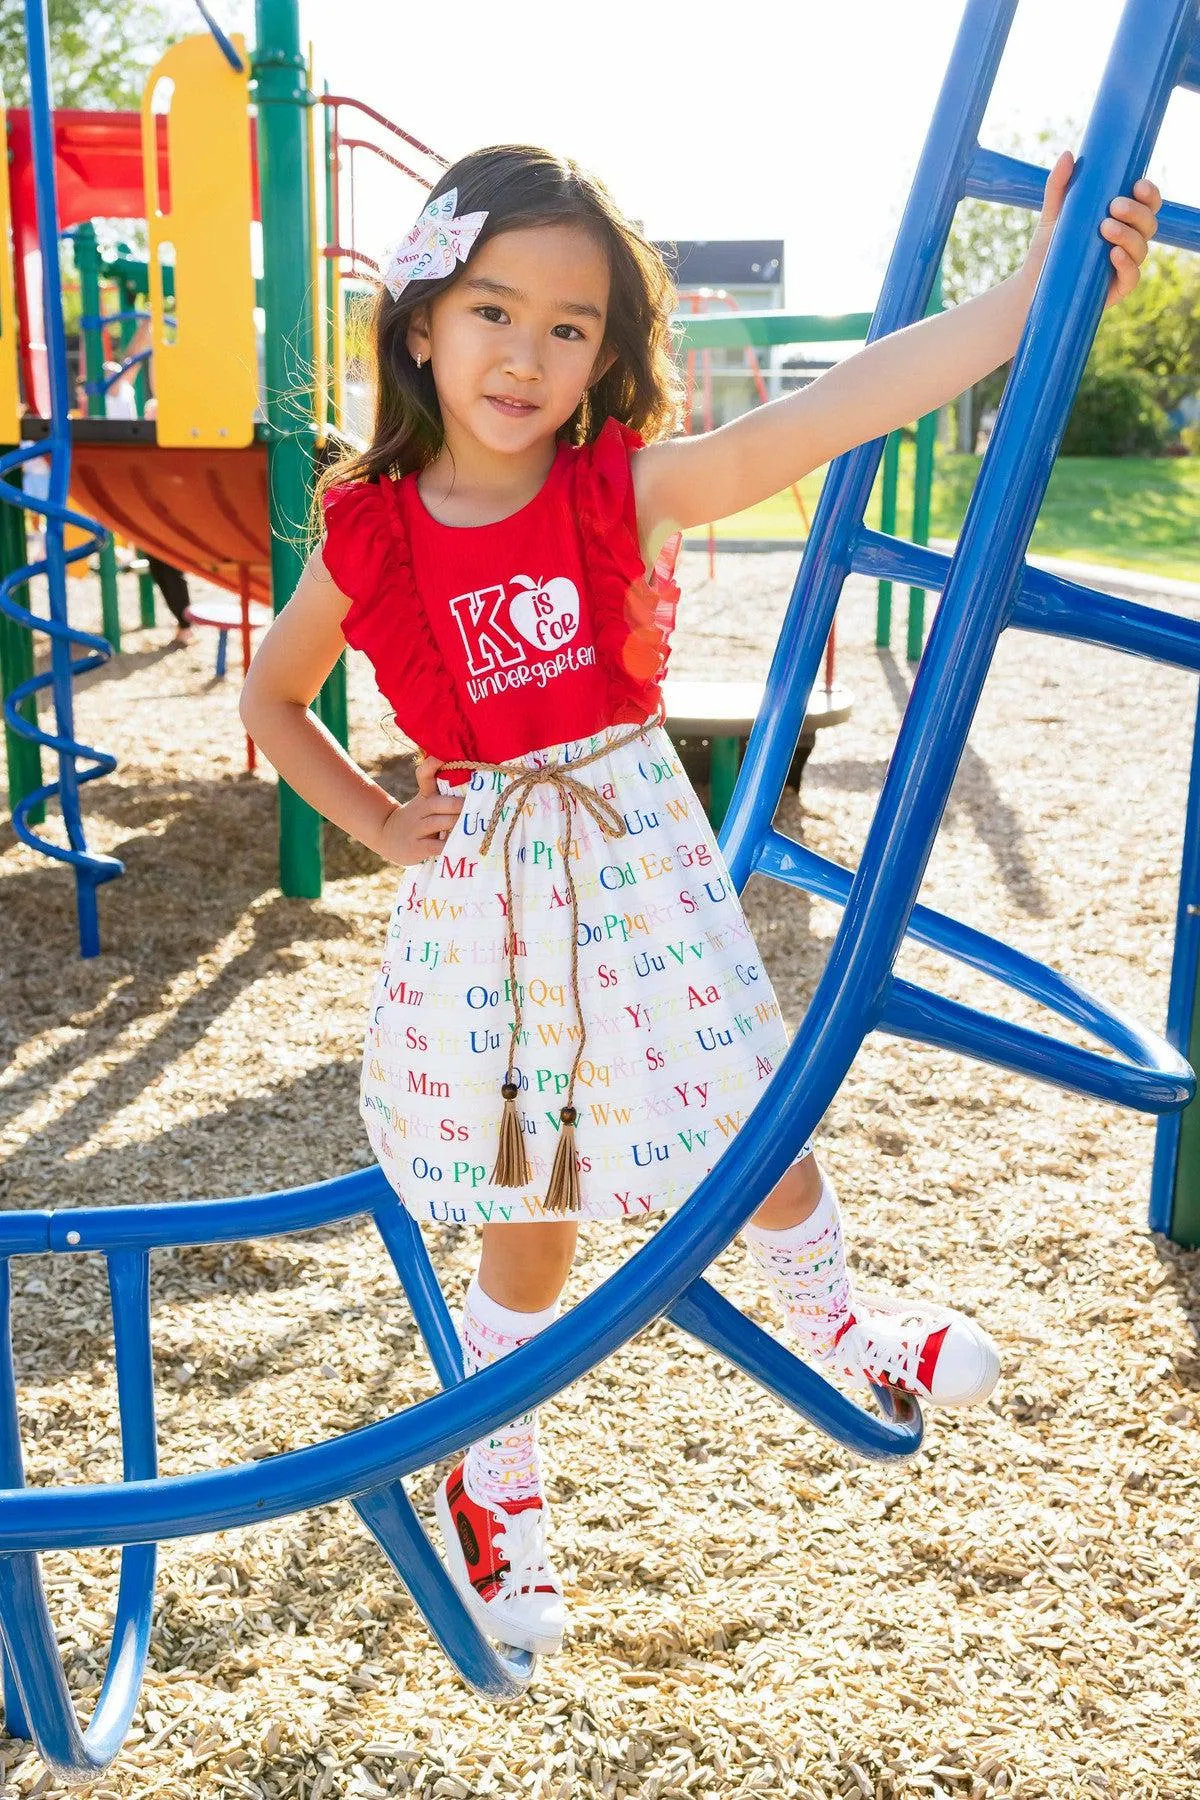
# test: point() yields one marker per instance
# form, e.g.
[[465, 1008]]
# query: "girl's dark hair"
[[518, 185]]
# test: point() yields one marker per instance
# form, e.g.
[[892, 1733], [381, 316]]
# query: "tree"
[[100, 55], [1115, 414], [1157, 329]]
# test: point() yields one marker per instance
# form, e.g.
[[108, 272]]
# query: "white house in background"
[[750, 271]]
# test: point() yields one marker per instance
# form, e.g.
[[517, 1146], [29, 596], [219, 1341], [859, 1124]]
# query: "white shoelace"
[[863, 1352], [896, 1361], [522, 1541]]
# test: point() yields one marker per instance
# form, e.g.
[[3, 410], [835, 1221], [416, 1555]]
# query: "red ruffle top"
[[490, 641]]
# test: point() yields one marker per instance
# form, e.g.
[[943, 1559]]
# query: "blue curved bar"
[[856, 991], [110, 1228], [410, 1258], [1156, 1079], [709, 1317], [30, 1641], [1184, 964], [12, 1474], [1048, 603], [122, 368], [912, 1012], [649, 1283], [851, 993], [1011, 182], [388, 1515]]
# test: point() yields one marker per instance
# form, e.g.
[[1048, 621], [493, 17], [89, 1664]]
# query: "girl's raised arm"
[[690, 481]]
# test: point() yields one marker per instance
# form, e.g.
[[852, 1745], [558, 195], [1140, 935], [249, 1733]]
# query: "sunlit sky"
[[801, 121]]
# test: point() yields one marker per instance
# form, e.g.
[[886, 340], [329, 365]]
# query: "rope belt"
[[512, 1166]]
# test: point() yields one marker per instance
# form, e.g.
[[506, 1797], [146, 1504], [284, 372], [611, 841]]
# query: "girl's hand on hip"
[[1131, 222], [417, 831]]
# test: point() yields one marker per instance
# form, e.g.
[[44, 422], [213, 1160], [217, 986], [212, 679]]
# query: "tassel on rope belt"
[[512, 1166]]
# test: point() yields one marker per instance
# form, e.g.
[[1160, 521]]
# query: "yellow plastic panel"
[[205, 371], [73, 536], [10, 402]]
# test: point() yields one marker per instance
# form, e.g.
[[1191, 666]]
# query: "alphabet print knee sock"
[[806, 1268], [506, 1467]]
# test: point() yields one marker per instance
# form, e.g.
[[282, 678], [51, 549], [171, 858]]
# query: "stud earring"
[[419, 359]]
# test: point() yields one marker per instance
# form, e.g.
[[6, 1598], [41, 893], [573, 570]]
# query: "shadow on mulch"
[[997, 824], [209, 862], [1183, 1271], [117, 668]]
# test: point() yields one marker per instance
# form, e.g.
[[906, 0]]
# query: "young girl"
[[571, 1018]]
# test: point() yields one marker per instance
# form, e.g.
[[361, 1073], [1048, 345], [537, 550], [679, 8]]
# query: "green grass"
[[1129, 512]]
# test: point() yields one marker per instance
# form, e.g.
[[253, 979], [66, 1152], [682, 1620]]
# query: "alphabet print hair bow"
[[436, 242]]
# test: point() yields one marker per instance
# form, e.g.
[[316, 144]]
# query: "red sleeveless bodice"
[[494, 640]]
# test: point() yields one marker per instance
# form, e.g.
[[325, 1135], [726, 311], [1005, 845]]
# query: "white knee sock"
[[806, 1267], [505, 1467]]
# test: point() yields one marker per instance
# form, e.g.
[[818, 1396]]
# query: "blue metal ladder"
[[984, 588]]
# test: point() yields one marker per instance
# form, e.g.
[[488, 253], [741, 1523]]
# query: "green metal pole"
[[334, 700], [922, 502], [16, 666], [281, 96], [87, 261], [129, 300], [725, 760], [1185, 1209], [333, 703], [146, 610], [887, 523]]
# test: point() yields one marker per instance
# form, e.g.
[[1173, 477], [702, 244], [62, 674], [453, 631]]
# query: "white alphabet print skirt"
[[662, 1033]]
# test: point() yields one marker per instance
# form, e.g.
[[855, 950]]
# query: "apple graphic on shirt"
[[546, 613]]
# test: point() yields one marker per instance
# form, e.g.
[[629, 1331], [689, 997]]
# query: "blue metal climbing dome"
[[985, 587]]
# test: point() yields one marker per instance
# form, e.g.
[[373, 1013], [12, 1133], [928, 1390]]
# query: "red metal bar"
[[345, 246], [385, 156], [338, 100], [244, 596], [348, 250]]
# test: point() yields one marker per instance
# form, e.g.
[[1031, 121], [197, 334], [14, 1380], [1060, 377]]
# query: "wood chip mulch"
[[752, 1611]]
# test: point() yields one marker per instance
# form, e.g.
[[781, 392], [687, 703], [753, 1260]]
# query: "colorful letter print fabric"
[[683, 1030]]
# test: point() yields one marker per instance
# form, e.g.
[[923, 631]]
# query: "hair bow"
[[435, 243]]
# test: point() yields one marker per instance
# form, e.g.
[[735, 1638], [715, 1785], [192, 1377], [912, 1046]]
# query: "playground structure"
[[711, 724], [985, 586], [210, 485], [191, 487], [700, 333]]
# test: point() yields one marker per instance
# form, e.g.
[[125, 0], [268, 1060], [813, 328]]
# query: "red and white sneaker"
[[929, 1351], [496, 1556]]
